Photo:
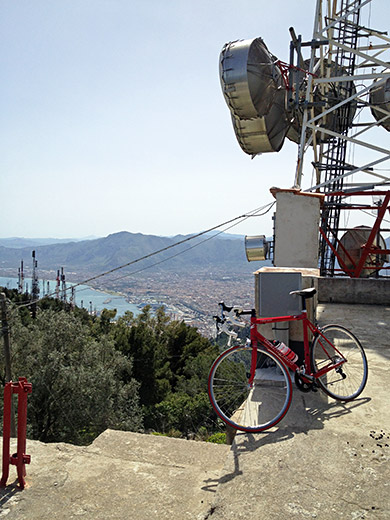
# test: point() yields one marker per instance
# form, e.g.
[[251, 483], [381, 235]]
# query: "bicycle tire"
[[348, 381], [249, 408]]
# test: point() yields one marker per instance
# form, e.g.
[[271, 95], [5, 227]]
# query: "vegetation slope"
[[88, 373]]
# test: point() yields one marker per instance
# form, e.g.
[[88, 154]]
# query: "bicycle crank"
[[304, 386]]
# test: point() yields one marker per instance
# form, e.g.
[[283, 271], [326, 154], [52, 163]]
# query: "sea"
[[85, 297]]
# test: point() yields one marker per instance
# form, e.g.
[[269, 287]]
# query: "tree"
[[92, 373], [181, 412], [77, 386]]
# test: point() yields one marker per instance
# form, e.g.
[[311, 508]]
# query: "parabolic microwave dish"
[[255, 94], [351, 247], [380, 102], [336, 120]]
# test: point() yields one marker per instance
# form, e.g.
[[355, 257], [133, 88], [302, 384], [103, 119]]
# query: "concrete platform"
[[326, 460]]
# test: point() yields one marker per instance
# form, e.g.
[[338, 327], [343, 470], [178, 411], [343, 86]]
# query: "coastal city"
[[189, 296]]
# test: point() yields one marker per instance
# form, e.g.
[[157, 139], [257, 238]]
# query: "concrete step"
[[121, 475]]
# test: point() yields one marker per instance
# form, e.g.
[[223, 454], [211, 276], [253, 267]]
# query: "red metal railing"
[[18, 459], [368, 248]]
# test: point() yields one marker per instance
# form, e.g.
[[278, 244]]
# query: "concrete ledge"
[[121, 475], [371, 291]]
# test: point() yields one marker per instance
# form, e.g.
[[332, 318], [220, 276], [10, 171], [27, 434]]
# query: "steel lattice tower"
[[337, 86], [333, 160]]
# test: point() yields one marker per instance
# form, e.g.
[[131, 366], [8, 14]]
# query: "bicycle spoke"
[[344, 381], [249, 407]]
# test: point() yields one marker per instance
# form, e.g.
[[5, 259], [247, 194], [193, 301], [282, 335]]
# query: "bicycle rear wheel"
[[249, 407], [348, 380]]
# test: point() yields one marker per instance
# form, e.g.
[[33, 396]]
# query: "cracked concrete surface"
[[120, 475]]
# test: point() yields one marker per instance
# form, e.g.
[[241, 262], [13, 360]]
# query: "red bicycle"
[[250, 386]]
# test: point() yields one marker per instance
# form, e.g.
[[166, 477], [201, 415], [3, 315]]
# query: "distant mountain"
[[106, 253], [226, 236], [20, 243]]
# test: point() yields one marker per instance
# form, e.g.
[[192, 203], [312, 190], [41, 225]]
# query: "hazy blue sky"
[[113, 117]]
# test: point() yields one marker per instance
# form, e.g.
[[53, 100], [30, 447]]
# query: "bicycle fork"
[[253, 363]]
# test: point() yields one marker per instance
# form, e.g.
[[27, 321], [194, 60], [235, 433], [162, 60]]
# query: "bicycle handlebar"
[[237, 310], [222, 322], [225, 307]]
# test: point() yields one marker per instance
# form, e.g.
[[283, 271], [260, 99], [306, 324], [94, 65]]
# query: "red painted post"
[[18, 459], [6, 432]]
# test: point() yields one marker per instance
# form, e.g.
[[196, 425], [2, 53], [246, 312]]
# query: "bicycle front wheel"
[[249, 407], [334, 344]]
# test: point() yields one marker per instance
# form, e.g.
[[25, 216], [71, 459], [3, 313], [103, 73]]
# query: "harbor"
[[85, 297]]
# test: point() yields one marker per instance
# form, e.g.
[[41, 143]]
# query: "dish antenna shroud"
[[248, 77], [254, 91], [337, 120], [380, 102], [351, 247]]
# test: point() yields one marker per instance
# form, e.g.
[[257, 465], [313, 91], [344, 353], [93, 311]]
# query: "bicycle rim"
[[255, 407], [348, 381]]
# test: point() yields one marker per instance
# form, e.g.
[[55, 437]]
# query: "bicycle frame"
[[250, 386], [256, 337]]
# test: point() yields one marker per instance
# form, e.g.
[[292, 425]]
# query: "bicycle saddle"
[[305, 293]]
